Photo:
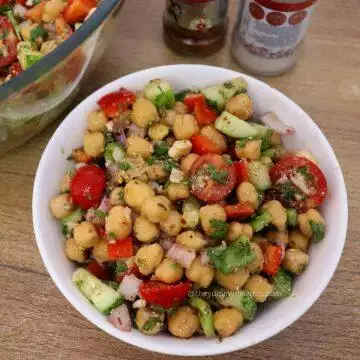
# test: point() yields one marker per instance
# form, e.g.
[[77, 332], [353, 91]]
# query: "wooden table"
[[36, 321]]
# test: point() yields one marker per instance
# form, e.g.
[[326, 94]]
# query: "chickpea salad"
[[185, 212], [31, 29]]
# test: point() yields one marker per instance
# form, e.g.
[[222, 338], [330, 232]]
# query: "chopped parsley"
[[161, 149], [242, 142], [120, 267], [109, 137], [266, 144], [121, 195], [214, 105], [169, 164], [64, 229], [37, 2], [175, 266], [100, 214], [304, 171], [37, 32], [289, 192], [219, 176], [180, 96], [318, 230], [149, 324], [220, 229], [4, 9], [228, 161], [150, 160], [124, 165], [112, 235]]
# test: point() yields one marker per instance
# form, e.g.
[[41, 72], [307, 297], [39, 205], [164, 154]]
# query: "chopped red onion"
[[120, 137], [271, 120], [129, 287], [166, 243], [20, 11], [134, 216], [120, 318], [105, 204], [134, 130], [181, 255], [204, 258]]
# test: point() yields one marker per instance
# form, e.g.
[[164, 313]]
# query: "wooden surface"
[[36, 322]]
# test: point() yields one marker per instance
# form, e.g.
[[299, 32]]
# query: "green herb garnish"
[[150, 160], [242, 142], [120, 267], [169, 164], [303, 170], [37, 32], [112, 235], [124, 165], [220, 229], [161, 149], [219, 176], [121, 195], [149, 324], [100, 214], [318, 230]]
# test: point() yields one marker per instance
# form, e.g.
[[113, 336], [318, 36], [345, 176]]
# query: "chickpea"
[[47, 46], [52, 10], [209, 213], [185, 126], [74, 252], [180, 148], [184, 323], [94, 143], [65, 183], [144, 112], [79, 156], [298, 240], [251, 150], [158, 131], [136, 192], [119, 222], [169, 117], [180, 108], [100, 251], [156, 208], [143, 315], [97, 120], [191, 239], [148, 257], [304, 221], [214, 135], [295, 261], [246, 193], [241, 106], [199, 273], [178, 191], [277, 213], [117, 196], [85, 235], [227, 321], [156, 172], [275, 139], [61, 206], [173, 224], [187, 162], [259, 288], [278, 236], [145, 231], [265, 160], [256, 265], [232, 282], [169, 272], [136, 145], [236, 230]]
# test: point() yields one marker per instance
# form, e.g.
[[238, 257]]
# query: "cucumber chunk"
[[259, 175], [234, 127]]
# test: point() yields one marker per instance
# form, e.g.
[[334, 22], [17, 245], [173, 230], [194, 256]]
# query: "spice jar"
[[268, 33], [195, 27]]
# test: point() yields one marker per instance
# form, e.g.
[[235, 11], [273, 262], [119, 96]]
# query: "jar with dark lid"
[[196, 27]]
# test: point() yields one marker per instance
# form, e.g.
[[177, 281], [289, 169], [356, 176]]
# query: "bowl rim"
[[157, 346], [48, 62]]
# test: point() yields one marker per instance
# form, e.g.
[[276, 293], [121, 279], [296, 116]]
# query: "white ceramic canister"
[[268, 33]]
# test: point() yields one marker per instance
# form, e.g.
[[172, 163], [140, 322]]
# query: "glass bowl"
[[36, 97]]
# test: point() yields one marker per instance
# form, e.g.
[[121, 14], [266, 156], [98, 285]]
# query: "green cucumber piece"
[[232, 126], [69, 222], [102, 296], [191, 212], [259, 175], [282, 285], [205, 315], [291, 215]]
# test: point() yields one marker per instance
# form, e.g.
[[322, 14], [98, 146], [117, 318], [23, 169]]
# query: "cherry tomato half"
[[9, 42], [238, 211], [242, 173], [99, 270], [202, 145], [120, 249], [211, 178], [117, 102], [299, 182], [87, 186]]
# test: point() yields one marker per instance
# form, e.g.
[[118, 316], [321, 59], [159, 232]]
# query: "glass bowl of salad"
[[193, 211], [47, 49]]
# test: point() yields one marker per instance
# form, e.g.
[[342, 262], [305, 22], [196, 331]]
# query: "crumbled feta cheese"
[[138, 304], [180, 148], [110, 126], [176, 176]]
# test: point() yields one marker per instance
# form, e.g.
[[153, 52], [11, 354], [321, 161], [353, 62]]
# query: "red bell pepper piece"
[[272, 259], [134, 270], [117, 102], [242, 173], [191, 99], [238, 211], [77, 10], [204, 114], [202, 145], [164, 295], [120, 249], [98, 270]]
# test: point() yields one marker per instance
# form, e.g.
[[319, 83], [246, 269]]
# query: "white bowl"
[[276, 316]]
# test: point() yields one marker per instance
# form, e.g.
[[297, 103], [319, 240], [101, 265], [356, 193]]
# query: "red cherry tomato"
[[87, 186], [77, 10], [242, 173], [15, 69], [9, 41], [202, 145], [191, 99], [98, 270], [211, 178], [238, 211], [117, 102], [287, 171], [164, 295], [204, 114], [120, 249], [272, 259]]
